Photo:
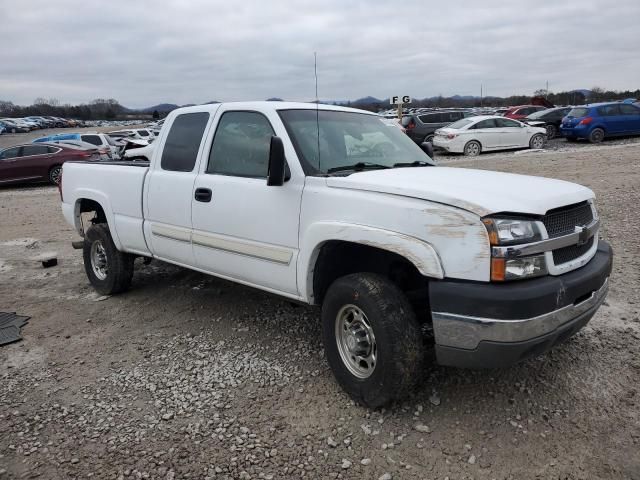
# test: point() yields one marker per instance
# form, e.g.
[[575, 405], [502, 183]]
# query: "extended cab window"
[[241, 145], [183, 142]]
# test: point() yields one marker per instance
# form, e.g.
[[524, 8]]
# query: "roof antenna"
[[315, 71]]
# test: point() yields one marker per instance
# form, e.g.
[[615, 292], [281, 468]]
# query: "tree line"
[[98, 109]]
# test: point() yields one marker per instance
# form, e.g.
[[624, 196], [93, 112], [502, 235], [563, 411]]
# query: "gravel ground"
[[188, 376]]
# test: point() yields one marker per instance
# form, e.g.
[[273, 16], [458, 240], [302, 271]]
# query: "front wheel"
[[109, 270], [537, 141], [428, 138], [372, 339]]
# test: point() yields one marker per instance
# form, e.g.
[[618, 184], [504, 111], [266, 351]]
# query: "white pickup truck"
[[330, 206]]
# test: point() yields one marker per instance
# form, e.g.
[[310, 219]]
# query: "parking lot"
[[189, 376]]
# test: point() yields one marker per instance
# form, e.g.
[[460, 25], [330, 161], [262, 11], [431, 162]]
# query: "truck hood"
[[482, 192]]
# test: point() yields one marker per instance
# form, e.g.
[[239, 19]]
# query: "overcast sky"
[[146, 52]]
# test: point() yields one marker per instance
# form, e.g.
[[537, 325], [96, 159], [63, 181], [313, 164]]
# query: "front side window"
[[29, 150], [325, 140], [626, 109], [241, 145], [180, 150]]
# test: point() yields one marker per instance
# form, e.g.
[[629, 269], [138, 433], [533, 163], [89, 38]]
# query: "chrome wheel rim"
[[537, 142], [99, 260], [473, 149], [55, 175], [356, 341]]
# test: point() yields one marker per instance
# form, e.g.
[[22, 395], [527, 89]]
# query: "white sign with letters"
[[395, 100]]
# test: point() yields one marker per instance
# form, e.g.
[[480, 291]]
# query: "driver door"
[[242, 228]]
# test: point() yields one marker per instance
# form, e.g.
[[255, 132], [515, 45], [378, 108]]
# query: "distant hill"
[[161, 107]]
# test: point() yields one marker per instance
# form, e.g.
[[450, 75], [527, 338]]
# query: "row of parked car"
[[27, 124], [42, 159], [464, 131]]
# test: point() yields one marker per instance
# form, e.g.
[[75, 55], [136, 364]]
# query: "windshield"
[[538, 114], [460, 123], [346, 138], [578, 112]]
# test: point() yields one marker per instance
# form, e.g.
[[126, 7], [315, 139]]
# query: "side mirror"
[[427, 147], [277, 163]]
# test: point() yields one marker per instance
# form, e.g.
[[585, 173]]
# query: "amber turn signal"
[[498, 269]]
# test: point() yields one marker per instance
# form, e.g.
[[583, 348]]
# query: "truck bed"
[[118, 186]]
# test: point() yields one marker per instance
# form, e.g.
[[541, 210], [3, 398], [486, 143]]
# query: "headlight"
[[509, 231]]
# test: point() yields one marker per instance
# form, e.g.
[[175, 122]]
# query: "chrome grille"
[[564, 220], [566, 254]]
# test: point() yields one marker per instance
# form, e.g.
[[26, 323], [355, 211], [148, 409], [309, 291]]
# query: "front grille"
[[564, 220], [566, 254]]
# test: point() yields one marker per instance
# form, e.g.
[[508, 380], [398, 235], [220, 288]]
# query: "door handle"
[[203, 194]]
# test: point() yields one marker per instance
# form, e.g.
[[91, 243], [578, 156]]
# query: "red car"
[[41, 162], [518, 113]]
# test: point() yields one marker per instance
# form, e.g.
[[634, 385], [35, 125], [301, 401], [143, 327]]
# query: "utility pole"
[[546, 95], [480, 95]]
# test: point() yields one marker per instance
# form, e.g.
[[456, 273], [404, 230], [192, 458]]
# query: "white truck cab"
[[331, 207]]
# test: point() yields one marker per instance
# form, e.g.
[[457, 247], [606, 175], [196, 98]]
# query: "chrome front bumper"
[[463, 331]]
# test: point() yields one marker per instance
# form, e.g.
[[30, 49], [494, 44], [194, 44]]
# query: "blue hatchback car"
[[600, 120]]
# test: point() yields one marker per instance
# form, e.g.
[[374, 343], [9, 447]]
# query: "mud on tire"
[[399, 348]]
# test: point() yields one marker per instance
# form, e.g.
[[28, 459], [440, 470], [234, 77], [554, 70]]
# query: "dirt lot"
[[187, 376]]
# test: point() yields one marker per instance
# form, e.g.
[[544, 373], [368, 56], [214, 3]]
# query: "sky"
[[171, 51]]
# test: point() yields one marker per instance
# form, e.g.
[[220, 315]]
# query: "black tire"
[[429, 138], [398, 345], [537, 141], [119, 265], [472, 149], [596, 135], [552, 131], [54, 174]]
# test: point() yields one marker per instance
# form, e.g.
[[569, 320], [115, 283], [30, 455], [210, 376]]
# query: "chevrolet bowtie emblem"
[[583, 236]]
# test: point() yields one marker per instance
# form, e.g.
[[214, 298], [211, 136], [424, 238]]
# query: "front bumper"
[[489, 325]]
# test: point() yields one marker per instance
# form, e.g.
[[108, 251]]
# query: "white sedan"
[[484, 133]]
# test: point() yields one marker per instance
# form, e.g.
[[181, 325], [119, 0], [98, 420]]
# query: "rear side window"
[[432, 118], [490, 123], [34, 150], [53, 150], [608, 110], [92, 139], [241, 145], [10, 153], [183, 142], [505, 123]]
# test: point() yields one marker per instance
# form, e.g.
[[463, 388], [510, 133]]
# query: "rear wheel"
[[428, 138], [552, 131], [372, 339], [597, 135], [109, 270], [537, 141], [472, 149], [55, 174]]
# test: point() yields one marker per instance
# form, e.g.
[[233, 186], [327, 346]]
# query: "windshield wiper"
[[357, 167], [417, 163]]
